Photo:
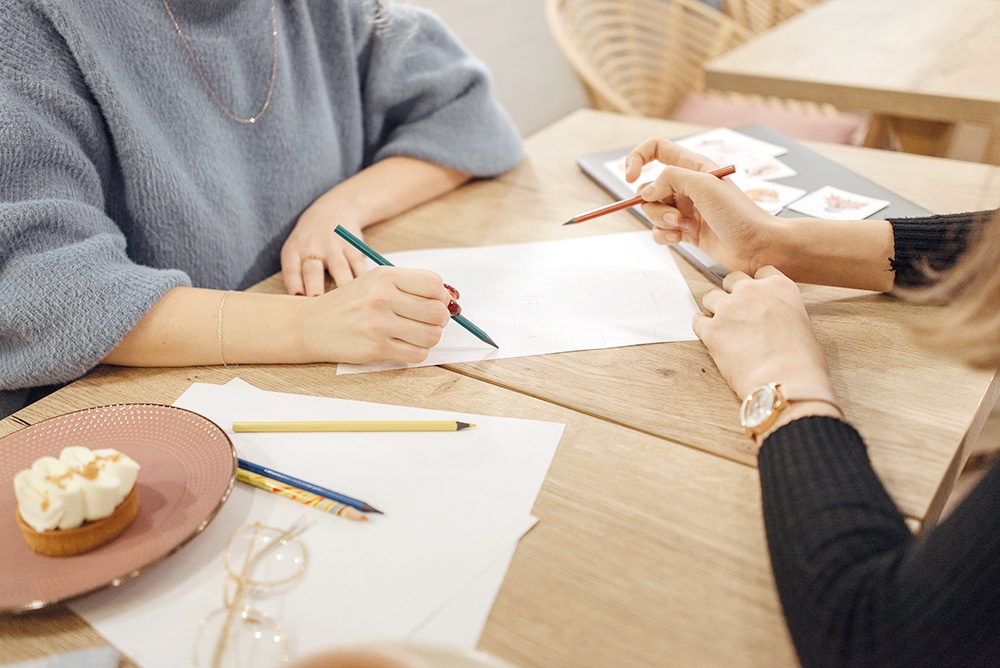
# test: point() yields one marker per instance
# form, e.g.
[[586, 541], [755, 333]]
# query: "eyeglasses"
[[258, 559]]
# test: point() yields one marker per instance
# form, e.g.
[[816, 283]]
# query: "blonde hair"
[[967, 328]]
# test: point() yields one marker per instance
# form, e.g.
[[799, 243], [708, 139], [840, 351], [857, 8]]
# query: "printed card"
[[753, 158], [770, 196], [830, 202], [724, 145], [762, 168]]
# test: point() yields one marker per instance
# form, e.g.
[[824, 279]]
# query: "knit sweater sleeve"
[[68, 291], [857, 588], [926, 245], [427, 97]]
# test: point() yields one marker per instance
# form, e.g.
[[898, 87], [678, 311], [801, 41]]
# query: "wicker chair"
[[646, 58], [759, 15]]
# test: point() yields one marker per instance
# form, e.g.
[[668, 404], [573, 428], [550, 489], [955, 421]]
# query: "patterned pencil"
[[300, 495]]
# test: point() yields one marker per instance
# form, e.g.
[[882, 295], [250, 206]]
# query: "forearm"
[[193, 327], [390, 187], [850, 254], [856, 587]]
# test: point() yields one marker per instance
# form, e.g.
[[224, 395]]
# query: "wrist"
[[770, 406], [267, 329], [777, 246]]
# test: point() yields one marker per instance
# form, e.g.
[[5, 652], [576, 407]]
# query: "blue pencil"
[[373, 255], [307, 486]]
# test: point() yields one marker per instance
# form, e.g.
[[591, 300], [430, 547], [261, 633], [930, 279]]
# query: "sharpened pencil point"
[[570, 222], [464, 425], [490, 341], [371, 509]]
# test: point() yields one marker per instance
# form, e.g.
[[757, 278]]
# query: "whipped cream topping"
[[82, 485]]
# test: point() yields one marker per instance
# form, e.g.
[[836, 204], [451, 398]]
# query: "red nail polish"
[[452, 291], [453, 308]]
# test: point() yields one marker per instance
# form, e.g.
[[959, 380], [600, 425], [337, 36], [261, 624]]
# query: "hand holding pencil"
[[456, 311], [689, 203]]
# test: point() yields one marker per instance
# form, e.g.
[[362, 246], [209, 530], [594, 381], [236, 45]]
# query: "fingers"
[[305, 274], [341, 270], [665, 151], [426, 286], [671, 227], [712, 300], [732, 279], [313, 275], [766, 271], [291, 273], [396, 313]]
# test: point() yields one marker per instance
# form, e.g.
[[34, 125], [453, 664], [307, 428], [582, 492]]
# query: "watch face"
[[758, 406]]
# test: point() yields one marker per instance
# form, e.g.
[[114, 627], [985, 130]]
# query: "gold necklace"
[[204, 80]]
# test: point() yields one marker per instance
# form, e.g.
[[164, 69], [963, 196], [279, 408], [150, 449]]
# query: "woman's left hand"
[[757, 331], [312, 250]]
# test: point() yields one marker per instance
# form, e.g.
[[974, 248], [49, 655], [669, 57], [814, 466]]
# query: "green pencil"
[[372, 255]]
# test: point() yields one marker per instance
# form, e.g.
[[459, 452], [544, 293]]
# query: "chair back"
[[640, 57], [759, 15]]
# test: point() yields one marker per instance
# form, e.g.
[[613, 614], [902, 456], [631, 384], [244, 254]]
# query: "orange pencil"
[[722, 172]]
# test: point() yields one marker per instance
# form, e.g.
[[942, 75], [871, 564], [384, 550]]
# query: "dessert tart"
[[78, 502]]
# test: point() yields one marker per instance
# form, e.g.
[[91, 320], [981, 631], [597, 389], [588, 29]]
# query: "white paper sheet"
[[546, 297], [455, 505]]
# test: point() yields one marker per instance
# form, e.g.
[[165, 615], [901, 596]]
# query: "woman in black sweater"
[[857, 588]]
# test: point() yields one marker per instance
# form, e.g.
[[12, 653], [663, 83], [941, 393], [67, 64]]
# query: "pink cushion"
[[840, 128]]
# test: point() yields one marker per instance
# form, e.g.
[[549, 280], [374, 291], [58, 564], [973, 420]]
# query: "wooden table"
[[671, 568], [920, 66]]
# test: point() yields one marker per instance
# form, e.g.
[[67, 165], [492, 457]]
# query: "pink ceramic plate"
[[188, 468]]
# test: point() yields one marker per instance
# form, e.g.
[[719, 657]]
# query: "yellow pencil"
[[300, 495], [353, 425]]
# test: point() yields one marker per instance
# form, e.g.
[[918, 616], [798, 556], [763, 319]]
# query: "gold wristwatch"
[[764, 404]]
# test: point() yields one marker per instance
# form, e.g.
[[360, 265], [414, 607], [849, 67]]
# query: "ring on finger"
[[312, 257]]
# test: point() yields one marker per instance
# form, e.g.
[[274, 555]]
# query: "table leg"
[[912, 135], [992, 155]]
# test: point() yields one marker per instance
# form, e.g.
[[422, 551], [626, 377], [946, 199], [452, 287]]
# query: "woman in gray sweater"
[[158, 156]]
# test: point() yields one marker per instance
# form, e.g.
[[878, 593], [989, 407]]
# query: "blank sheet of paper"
[[604, 291]]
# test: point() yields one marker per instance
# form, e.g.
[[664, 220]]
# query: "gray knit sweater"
[[120, 178]]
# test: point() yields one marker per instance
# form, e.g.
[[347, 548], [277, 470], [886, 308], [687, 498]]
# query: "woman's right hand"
[[686, 203], [388, 313]]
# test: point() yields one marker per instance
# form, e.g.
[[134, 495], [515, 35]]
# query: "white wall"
[[531, 78]]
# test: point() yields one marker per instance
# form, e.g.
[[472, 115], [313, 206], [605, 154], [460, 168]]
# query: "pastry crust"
[[89, 536]]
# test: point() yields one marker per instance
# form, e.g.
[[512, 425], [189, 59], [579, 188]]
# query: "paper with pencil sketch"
[[604, 291], [455, 505]]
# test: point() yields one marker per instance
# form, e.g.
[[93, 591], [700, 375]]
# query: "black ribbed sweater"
[[857, 588]]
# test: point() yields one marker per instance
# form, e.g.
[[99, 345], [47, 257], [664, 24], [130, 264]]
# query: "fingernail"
[[647, 190], [300, 294], [452, 291], [453, 308]]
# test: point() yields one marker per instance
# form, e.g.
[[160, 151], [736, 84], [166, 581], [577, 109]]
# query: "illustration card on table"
[[831, 202], [769, 195]]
